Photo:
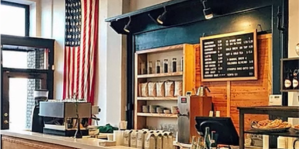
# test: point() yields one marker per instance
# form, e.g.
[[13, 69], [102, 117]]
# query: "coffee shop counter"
[[29, 140]]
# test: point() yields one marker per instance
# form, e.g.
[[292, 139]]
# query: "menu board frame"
[[255, 77]]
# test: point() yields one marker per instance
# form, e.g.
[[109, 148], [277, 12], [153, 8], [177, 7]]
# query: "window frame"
[[26, 7]]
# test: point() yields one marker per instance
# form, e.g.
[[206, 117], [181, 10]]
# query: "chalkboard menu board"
[[227, 57]]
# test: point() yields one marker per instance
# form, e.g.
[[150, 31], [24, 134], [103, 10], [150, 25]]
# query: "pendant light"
[[208, 14], [162, 18], [127, 26]]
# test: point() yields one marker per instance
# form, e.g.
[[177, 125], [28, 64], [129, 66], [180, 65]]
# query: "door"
[[18, 101]]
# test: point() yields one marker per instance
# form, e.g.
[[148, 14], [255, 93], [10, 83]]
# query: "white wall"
[[109, 81], [53, 26], [139, 4], [293, 40], [59, 35]]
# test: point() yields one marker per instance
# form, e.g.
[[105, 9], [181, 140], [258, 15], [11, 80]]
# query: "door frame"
[[6, 75]]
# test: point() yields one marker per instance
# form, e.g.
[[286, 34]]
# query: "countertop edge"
[[50, 139]]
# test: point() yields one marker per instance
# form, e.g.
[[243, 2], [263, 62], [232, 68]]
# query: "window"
[[14, 19]]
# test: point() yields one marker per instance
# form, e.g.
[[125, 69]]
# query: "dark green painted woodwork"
[[191, 33]]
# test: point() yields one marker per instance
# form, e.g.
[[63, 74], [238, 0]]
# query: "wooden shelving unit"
[[157, 115], [186, 75]]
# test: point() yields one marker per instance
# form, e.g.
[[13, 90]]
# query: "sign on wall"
[[229, 57]]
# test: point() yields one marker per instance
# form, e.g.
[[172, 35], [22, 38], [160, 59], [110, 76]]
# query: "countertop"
[[59, 140]]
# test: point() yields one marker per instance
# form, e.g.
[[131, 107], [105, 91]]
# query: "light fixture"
[[127, 26], [207, 11], [162, 18]]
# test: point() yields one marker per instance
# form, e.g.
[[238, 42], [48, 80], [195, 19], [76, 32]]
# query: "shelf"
[[290, 59], [157, 115], [161, 49], [157, 98], [290, 90], [285, 134], [160, 75], [284, 111]]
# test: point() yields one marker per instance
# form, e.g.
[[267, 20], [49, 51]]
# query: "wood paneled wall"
[[17, 143], [227, 96]]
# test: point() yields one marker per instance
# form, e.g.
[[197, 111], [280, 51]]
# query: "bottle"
[[207, 138], [158, 66], [174, 65], [287, 81], [182, 64], [166, 63], [213, 143], [295, 79], [143, 68], [150, 70]]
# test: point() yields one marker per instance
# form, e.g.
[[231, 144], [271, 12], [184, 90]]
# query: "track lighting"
[[127, 26], [162, 18], [207, 11]]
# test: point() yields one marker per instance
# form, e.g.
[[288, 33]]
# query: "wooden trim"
[[157, 115], [255, 77], [270, 52], [160, 75], [161, 49], [14, 143], [189, 69], [158, 98], [228, 98], [264, 36], [290, 59], [135, 91]]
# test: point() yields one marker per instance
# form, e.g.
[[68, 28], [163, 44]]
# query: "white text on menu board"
[[236, 56]]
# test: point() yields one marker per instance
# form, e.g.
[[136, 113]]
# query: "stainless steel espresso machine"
[[64, 116]]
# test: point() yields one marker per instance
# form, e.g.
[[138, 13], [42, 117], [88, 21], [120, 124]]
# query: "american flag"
[[81, 45]]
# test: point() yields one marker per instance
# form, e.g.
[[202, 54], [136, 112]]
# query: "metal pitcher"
[[202, 90]]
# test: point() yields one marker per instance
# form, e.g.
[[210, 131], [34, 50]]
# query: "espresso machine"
[[189, 107], [64, 114], [37, 123]]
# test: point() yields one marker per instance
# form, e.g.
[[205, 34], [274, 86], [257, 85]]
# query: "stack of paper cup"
[[118, 137]]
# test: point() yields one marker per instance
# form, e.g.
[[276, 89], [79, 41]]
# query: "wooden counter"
[[30, 140]]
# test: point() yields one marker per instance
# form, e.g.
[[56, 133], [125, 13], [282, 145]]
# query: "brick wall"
[[35, 60]]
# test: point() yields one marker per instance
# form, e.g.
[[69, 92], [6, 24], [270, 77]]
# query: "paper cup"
[[217, 113], [118, 137], [110, 137], [211, 113], [123, 125]]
